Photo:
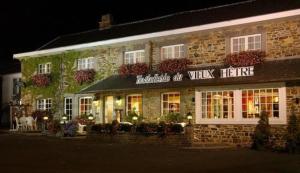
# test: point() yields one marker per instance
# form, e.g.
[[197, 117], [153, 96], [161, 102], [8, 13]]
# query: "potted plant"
[[174, 65], [41, 80], [84, 76], [245, 58]]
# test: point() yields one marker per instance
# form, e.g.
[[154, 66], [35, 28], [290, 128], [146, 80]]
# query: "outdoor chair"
[[29, 123], [81, 128], [19, 125]]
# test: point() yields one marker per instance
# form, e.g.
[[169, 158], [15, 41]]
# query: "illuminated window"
[[174, 51], [85, 63], [68, 107], [134, 57], [255, 101], [85, 105], [170, 103], [244, 43], [44, 104], [44, 68], [217, 105], [134, 104]]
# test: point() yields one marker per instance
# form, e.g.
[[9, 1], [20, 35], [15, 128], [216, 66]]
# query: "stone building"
[[224, 97]]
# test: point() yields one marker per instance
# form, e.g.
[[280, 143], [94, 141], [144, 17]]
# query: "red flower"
[[133, 69], [41, 80], [245, 58], [82, 76], [174, 65]]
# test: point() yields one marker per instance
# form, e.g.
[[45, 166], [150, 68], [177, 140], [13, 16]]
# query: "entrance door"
[[109, 109]]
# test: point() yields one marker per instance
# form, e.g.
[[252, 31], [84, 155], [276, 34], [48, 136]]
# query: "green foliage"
[[173, 118], [293, 134], [262, 133], [131, 114]]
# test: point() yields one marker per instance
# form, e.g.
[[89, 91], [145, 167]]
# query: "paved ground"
[[39, 154]]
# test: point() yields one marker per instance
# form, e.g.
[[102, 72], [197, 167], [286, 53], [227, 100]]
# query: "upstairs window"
[[44, 104], [134, 57], [44, 68], [85, 63], [244, 43], [171, 52]]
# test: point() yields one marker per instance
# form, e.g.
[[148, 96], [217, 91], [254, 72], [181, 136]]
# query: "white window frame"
[[133, 96], [44, 68], [173, 53], [44, 104], [246, 37], [85, 63], [238, 119], [69, 109], [162, 101], [91, 110], [133, 57]]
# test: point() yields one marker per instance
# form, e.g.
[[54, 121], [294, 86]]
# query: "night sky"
[[27, 25]]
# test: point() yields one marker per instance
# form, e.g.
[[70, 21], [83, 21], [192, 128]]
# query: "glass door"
[[109, 109]]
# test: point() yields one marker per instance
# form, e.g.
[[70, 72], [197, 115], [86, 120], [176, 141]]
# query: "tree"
[[262, 133]]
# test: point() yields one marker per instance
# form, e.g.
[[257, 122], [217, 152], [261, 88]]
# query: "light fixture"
[[118, 100], [90, 117], [45, 118], [64, 117], [134, 118], [189, 117]]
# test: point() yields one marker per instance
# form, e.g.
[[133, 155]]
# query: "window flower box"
[[85, 76], [133, 69], [245, 58], [41, 80], [174, 65]]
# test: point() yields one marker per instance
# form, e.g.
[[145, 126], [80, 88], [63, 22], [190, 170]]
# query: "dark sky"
[[27, 25]]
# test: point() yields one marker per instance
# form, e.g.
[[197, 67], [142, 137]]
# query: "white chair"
[[29, 123], [81, 128], [19, 125], [23, 123]]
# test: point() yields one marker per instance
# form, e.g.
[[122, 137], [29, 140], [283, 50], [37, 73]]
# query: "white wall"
[[7, 87]]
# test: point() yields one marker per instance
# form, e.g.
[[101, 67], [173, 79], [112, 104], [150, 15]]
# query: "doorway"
[[109, 109]]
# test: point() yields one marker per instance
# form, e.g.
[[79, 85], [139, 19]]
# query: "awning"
[[269, 71]]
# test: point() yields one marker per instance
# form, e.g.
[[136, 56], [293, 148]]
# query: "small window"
[[134, 104], [44, 104], [85, 63], [68, 107], [170, 103], [85, 105], [171, 52], [44, 68], [244, 43], [134, 57]]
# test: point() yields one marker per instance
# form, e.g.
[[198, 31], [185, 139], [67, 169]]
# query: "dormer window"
[[85, 63], [44, 68], [245, 43], [134, 57], [173, 51]]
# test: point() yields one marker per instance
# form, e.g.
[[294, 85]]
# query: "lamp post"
[[45, 118]]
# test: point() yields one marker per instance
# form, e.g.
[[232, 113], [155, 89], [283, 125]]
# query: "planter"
[[174, 65], [41, 80], [133, 69], [84, 76], [246, 58]]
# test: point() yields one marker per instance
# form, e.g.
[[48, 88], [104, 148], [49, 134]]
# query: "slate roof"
[[271, 71], [179, 20]]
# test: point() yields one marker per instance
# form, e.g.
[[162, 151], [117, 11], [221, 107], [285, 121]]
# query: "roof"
[[179, 20], [270, 71]]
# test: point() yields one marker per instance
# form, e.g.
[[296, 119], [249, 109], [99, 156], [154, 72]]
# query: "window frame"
[[85, 63], [45, 104], [172, 51], [162, 102], [246, 37], [91, 105], [130, 95], [135, 53], [69, 109], [44, 68]]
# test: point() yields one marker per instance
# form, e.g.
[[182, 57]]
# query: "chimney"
[[106, 21]]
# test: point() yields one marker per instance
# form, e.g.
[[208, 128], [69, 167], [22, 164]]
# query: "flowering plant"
[[245, 58], [82, 76], [174, 65], [133, 69], [41, 80], [71, 128]]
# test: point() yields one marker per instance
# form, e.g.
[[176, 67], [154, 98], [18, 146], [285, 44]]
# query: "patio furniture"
[[29, 123], [19, 125], [81, 128]]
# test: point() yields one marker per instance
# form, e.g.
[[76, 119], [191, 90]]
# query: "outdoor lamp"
[[45, 118], [119, 101], [135, 118], [90, 117], [64, 117], [189, 117]]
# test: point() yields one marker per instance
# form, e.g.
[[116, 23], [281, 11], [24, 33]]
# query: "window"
[[68, 107], [255, 101], [44, 68], [85, 106], [134, 104], [85, 63], [44, 104], [134, 57], [174, 51], [170, 103], [244, 43], [217, 105]]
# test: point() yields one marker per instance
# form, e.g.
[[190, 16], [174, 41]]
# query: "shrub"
[[293, 134], [176, 128], [245, 58], [97, 128], [84, 76], [173, 118], [71, 128], [54, 127], [262, 133], [174, 65], [133, 69], [125, 127], [147, 128], [41, 80], [84, 119], [131, 114]]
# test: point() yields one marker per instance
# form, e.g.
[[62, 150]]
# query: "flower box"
[[41, 80], [133, 69], [85, 76], [174, 65], [245, 58]]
